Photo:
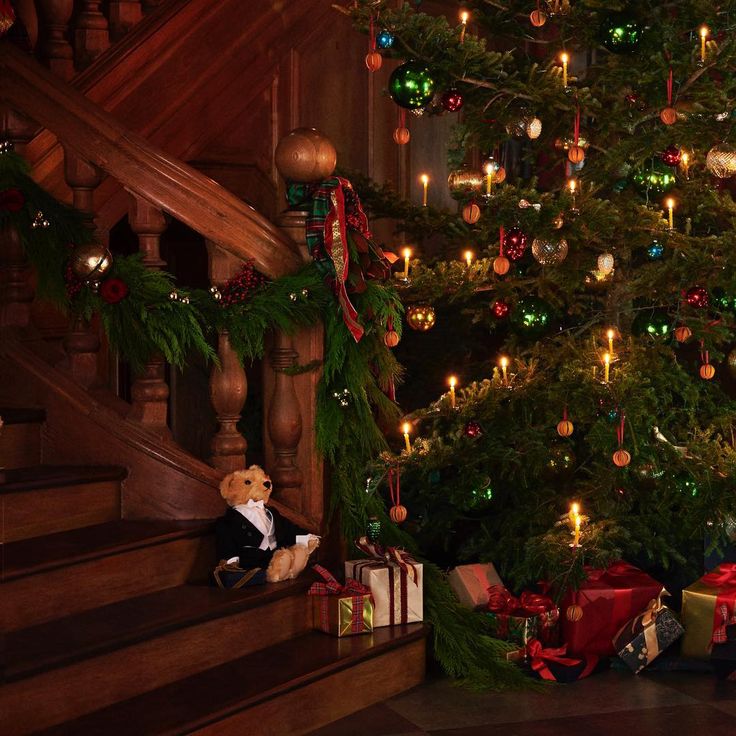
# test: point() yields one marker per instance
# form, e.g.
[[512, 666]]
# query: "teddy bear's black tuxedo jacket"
[[236, 536]]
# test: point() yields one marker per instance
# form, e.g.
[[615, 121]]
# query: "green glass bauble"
[[620, 33], [654, 323], [411, 85], [653, 179], [482, 497], [723, 301], [531, 316], [560, 462], [373, 529]]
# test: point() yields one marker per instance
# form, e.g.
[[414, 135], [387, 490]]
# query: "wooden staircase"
[[109, 624]]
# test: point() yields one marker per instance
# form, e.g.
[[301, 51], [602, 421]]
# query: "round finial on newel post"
[[305, 155]]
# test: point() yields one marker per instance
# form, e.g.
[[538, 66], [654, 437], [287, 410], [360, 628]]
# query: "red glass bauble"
[[671, 156], [452, 100], [514, 244], [473, 429], [698, 297], [500, 309]]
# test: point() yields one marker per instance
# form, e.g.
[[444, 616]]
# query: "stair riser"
[[20, 445], [48, 510], [62, 694], [38, 598], [328, 699]]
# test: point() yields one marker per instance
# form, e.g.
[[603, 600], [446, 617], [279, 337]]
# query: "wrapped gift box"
[[340, 610], [230, 576], [555, 665], [470, 583], [723, 655], [607, 600], [644, 638], [397, 589], [701, 609], [522, 619]]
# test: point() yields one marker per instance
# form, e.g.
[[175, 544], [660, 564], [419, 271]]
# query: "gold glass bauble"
[[465, 180], [549, 252], [305, 155], [420, 317], [721, 161], [91, 262]]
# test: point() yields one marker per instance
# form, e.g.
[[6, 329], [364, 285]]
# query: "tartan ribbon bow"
[[500, 600], [332, 587], [540, 657], [720, 635], [390, 555]]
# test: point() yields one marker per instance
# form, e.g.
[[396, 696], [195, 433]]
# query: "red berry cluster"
[[240, 287], [73, 284]]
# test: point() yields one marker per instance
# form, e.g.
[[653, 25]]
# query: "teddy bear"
[[257, 536]]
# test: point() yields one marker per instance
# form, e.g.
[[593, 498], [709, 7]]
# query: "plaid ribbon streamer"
[[391, 555], [720, 635], [352, 588]]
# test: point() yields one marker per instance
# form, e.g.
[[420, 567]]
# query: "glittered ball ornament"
[[452, 100], [374, 61], [620, 32], [671, 156], [471, 213], [514, 244], [384, 39], [472, 429], [697, 297], [606, 263], [305, 155], [465, 181], [373, 529], [721, 161], [653, 179], [533, 128], [500, 309], [549, 252], [531, 316], [421, 317], [411, 85], [655, 251], [91, 263]]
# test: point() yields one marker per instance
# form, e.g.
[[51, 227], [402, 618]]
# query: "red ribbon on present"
[[540, 656], [500, 600], [724, 576], [390, 555], [332, 587]]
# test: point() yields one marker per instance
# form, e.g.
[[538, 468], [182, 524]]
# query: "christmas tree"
[[589, 325]]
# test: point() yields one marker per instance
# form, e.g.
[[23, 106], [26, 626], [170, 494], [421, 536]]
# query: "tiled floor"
[[613, 703]]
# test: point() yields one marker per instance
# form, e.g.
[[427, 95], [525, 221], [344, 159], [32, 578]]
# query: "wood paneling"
[[20, 445]]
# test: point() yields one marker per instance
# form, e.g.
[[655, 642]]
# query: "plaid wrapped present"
[[723, 654], [642, 640], [341, 610], [519, 620]]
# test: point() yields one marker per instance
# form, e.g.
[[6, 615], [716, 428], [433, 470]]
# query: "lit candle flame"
[[464, 20], [671, 209], [564, 58], [610, 335], [468, 255], [453, 383], [425, 183], [406, 428], [572, 185], [407, 255], [504, 362], [703, 36]]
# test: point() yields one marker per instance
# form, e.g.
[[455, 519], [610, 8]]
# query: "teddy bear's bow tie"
[[254, 504]]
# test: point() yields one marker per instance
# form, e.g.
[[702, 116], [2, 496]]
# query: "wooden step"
[[285, 689], [67, 667], [45, 499], [20, 436], [48, 577]]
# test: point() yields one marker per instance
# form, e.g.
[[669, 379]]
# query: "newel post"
[[228, 381], [150, 392]]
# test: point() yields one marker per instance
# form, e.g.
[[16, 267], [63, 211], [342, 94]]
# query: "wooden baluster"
[[16, 292], [82, 342], [150, 5], [124, 15], [285, 421], [228, 381], [55, 47], [91, 35], [150, 392]]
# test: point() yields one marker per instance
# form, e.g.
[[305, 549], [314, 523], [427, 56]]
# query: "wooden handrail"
[[171, 185]]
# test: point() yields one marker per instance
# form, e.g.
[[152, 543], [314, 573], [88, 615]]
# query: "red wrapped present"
[[530, 616], [341, 610], [606, 600]]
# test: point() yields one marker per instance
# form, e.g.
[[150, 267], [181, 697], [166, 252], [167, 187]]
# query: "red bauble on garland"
[[514, 244], [473, 429], [698, 297], [113, 290], [452, 100], [500, 309], [12, 200], [7, 16], [241, 287], [671, 156]]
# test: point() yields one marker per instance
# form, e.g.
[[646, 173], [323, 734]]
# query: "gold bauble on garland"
[[465, 181], [721, 161], [420, 317], [91, 263]]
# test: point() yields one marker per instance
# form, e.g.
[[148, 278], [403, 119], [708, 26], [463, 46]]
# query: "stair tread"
[[20, 415], [53, 476], [212, 694], [40, 554], [103, 629]]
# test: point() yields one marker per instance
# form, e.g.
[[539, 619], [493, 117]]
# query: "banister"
[[172, 185]]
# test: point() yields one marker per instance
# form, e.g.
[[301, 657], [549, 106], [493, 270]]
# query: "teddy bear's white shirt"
[[261, 518]]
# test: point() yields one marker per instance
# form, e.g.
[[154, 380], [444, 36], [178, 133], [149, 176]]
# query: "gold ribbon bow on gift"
[[648, 621]]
